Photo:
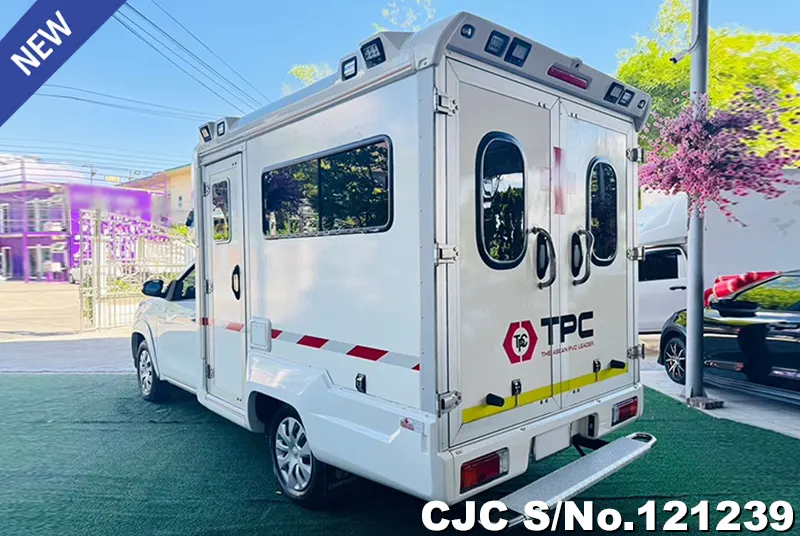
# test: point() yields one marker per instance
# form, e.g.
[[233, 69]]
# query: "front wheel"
[[675, 359], [300, 475], [151, 387]]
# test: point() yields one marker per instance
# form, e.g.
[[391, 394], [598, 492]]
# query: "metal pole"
[[694, 312], [26, 258]]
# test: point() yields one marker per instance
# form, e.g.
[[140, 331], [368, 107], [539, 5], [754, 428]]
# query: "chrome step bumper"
[[569, 481]]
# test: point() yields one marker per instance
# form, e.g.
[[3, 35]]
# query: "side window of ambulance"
[[501, 200], [343, 192], [602, 211], [220, 213]]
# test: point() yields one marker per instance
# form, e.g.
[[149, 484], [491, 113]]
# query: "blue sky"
[[263, 39]]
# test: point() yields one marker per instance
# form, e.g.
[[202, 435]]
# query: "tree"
[[402, 15], [737, 58], [717, 158]]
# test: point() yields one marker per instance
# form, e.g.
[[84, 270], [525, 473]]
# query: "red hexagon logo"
[[520, 341]]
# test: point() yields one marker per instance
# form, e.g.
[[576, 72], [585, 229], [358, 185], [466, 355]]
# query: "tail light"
[[481, 470], [624, 410]]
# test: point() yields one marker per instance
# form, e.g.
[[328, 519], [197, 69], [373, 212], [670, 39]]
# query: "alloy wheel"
[[675, 359], [293, 455], [145, 372]]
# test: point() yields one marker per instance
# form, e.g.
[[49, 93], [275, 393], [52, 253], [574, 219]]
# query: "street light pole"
[[694, 391]]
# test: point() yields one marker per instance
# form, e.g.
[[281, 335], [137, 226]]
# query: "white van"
[[765, 240], [421, 270]]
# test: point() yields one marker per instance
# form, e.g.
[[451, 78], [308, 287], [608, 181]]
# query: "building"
[[40, 217], [176, 184]]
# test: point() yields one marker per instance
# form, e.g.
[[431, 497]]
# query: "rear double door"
[[521, 322]]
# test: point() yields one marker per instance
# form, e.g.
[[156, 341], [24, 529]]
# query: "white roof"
[[406, 53], [664, 222]]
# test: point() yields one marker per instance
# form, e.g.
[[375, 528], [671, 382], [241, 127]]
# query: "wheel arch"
[[141, 332]]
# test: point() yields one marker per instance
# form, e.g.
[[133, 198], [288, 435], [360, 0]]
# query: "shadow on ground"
[[84, 455]]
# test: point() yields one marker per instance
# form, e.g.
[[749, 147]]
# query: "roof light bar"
[[568, 77]]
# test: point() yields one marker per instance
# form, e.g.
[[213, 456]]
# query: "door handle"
[[235, 282], [579, 258], [551, 254], [678, 287]]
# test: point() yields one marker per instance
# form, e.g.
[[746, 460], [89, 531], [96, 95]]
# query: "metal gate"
[[116, 255]]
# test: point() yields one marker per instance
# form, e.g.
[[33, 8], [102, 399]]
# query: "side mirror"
[[734, 308], [153, 288]]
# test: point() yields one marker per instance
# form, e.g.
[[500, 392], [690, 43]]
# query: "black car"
[[751, 339]]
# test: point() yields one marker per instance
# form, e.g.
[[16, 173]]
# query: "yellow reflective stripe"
[[536, 395]]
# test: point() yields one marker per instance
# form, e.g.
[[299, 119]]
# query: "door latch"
[[448, 401]]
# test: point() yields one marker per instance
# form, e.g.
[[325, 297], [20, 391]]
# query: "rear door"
[[225, 269], [498, 169], [596, 289]]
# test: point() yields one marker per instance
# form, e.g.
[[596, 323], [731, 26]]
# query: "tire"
[[151, 387], [299, 474], [674, 359]]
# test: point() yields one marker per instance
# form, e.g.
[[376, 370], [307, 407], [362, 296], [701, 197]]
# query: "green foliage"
[[407, 15], [737, 58], [401, 15], [503, 225]]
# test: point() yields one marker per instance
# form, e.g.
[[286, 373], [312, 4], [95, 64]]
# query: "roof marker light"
[[221, 128], [205, 132], [373, 53], [467, 31], [349, 68], [497, 43], [518, 52], [614, 93], [567, 77]]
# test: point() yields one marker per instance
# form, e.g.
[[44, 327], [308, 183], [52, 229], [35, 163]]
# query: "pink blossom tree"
[[716, 155]]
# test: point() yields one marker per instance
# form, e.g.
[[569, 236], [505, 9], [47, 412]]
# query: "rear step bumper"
[[583, 473]]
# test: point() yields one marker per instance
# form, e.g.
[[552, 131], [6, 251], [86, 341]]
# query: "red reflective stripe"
[[365, 352], [416, 367], [313, 342], [234, 326], [276, 333]]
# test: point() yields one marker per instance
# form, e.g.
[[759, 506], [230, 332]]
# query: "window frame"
[[679, 253], [597, 261], [480, 154], [227, 182], [327, 154], [175, 287]]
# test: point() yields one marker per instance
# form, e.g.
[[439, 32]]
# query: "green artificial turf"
[[85, 455]]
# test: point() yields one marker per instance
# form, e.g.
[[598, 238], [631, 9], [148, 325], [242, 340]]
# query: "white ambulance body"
[[424, 265]]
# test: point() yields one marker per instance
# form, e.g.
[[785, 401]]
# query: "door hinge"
[[445, 104], [446, 254], [448, 401], [636, 253], [209, 372], [636, 352], [206, 189], [209, 286], [635, 154]]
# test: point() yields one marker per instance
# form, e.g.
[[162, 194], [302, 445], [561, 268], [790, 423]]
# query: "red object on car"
[[725, 285]]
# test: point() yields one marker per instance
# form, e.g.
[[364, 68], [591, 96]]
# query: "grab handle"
[[235, 282], [552, 267], [587, 258]]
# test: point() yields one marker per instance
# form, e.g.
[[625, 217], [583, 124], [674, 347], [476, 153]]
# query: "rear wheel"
[[152, 388], [300, 475], [675, 359]]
